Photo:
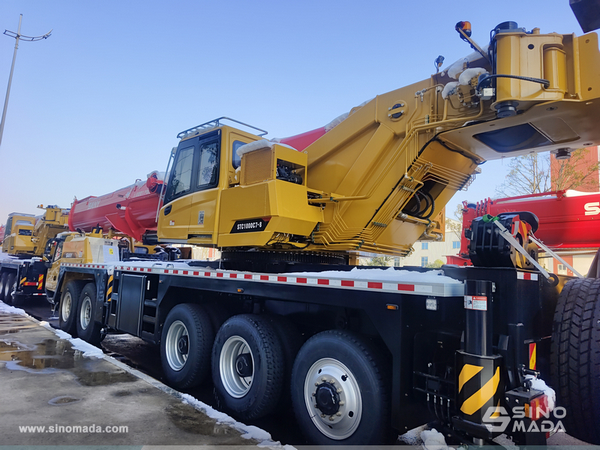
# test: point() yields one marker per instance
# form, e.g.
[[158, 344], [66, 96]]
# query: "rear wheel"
[[217, 314], [3, 280], [9, 288], [575, 357], [340, 390], [68, 307], [185, 346], [290, 339], [87, 328], [247, 366]]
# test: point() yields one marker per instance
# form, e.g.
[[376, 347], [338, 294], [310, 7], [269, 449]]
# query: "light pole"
[[17, 37]]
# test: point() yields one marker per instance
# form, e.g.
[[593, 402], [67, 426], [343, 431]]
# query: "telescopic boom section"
[[376, 179], [130, 210]]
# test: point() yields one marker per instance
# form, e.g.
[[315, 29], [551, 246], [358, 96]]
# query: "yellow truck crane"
[[367, 182], [23, 272], [358, 353]]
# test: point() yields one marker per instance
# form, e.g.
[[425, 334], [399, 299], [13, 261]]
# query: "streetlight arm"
[[12, 34], [17, 36]]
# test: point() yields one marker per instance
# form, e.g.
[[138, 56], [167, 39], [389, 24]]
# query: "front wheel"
[[9, 288], [340, 390], [87, 328], [68, 307], [3, 280], [187, 338]]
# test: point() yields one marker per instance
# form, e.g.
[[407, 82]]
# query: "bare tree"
[[455, 226], [529, 174], [380, 261], [579, 171]]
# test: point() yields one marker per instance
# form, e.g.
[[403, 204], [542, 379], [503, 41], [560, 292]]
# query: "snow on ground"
[[429, 439], [540, 385], [60, 333], [250, 431], [433, 440], [87, 349], [412, 437], [4, 308]]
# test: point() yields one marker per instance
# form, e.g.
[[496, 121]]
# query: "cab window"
[[209, 167], [181, 175], [58, 251], [196, 167], [236, 160]]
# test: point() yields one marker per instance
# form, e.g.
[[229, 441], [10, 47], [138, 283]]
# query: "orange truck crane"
[[357, 353]]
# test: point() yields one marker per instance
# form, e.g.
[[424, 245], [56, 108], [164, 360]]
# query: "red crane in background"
[[130, 210], [567, 219]]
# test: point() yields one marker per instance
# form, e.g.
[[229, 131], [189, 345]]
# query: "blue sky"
[[99, 103]]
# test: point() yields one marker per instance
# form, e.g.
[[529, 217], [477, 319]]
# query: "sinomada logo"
[[592, 209], [497, 419]]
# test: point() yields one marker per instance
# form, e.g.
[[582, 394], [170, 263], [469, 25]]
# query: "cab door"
[[174, 217], [203, 208]]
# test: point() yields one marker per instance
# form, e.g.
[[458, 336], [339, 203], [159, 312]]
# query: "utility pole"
[[17, 37]]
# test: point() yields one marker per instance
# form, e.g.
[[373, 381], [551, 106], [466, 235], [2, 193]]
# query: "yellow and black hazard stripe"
[[478, 385], [109, 288], [533, 356]]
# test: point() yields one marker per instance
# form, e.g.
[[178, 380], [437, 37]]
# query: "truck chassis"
[[362, 355]]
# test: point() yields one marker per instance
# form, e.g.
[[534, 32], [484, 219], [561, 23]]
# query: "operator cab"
[[18, 234], [204, 163]]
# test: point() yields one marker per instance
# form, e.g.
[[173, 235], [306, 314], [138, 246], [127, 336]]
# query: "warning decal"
[[477, 302]]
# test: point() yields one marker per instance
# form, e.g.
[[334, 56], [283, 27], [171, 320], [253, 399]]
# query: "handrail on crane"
[[217, 123]]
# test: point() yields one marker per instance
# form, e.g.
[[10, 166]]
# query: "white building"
[[426, 252]]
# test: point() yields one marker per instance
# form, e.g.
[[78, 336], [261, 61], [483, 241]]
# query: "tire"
[[340, 391], [3, 280], [247, 367], [87, 328], [185, 346], [575, 357], [217, 314], [67, 309], [9, 288], [291, 342]]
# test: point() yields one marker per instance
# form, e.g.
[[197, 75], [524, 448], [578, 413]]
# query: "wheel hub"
[[183, 345], [327, 398], [333, 398], [243, 365]]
